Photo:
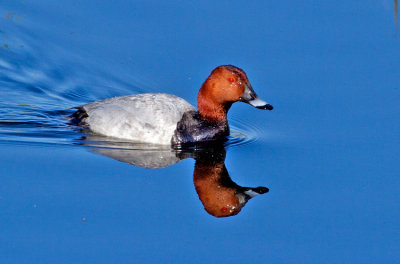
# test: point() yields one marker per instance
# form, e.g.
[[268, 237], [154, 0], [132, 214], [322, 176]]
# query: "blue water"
[[328, 152]]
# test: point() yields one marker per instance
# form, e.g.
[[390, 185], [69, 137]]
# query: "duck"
[[166, 119]]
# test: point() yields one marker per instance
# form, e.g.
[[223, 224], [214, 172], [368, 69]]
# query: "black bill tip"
[[265, 107], [261, 190]]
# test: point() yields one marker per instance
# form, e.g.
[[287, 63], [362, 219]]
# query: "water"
[[328, 151]]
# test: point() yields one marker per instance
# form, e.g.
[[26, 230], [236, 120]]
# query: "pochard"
[[166, 119]]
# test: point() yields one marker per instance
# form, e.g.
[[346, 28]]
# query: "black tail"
[[79, 116]]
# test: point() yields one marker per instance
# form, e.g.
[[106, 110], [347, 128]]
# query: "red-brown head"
[[225, 85]]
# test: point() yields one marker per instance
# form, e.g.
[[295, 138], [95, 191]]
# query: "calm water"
[[328, 152]]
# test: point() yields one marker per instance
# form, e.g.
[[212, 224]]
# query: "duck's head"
[[225, 85]]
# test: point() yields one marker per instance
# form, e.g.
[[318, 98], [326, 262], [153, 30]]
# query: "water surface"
[[328, 151]]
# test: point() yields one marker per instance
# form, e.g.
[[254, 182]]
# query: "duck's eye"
[[231, 79]]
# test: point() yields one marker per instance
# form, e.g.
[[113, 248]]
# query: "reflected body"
[[221, 197], [167, 119]]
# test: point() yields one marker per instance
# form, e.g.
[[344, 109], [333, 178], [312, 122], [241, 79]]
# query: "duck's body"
[[167, 119], [149, 117]]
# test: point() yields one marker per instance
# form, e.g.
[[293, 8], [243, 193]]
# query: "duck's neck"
[[209, 108]]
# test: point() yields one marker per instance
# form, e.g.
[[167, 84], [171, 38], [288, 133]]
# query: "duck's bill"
[[250, 97], [251, 192], [260, 104]]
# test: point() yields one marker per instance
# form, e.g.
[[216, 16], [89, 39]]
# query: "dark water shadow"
[[219, 194]]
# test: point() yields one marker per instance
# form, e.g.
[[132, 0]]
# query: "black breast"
[[191, 128]]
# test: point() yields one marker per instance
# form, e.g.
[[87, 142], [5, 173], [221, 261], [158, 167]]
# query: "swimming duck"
[[166, 119]]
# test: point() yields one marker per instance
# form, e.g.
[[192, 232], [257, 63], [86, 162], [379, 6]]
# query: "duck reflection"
[[220, 195], [139, 154]]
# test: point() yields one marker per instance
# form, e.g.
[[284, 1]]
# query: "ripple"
[[38, 94], [243, 132]]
